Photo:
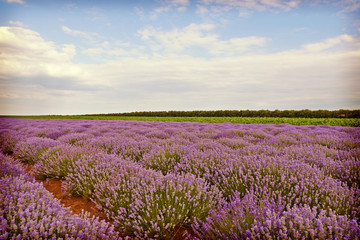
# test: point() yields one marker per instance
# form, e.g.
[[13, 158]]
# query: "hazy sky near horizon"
[[88, 56]]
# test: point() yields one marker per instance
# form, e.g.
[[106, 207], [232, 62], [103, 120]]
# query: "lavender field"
[[180, 180]]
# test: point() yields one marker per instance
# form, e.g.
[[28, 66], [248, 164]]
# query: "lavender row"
[[156, 205], [253, 218], [142, 202], [333, 149], [29, 211], [116, 184], [307, 172]]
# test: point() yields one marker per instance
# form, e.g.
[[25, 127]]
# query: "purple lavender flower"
[[229, 181], [10, 166], [28, 211], [32, 148]]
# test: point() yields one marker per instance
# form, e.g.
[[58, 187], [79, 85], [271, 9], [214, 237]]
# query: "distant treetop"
[[306, 113]]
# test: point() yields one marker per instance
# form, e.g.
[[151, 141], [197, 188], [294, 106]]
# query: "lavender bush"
[[89, 170], [229, 181], [28, 211], [30, 149], [77, 138], [251, 218], [57, 161], [10, 166], [8, 139], [165, 158], [141, 201], [154, 209], [170, 203], [296, 183]]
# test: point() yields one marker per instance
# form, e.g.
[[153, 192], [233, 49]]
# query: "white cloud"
[[40, 73], [257, 5], [109, 52], [244, 6], [25, 54], [178, 39], [179, 5], [236, 45], [69, 50], [201, 9], [94, 51], [162, 9], [16, 1], [342, 41], [112, 49], [90, 36], [293, 79], [176, 3], [198, 35], [17, 23]]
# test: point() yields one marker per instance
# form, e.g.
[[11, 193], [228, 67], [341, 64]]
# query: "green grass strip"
[[352, 122]]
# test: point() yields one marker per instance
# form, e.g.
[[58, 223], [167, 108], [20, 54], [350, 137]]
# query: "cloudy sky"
[[92, 56]]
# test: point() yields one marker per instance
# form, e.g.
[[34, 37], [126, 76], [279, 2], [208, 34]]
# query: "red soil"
[[76, 204]]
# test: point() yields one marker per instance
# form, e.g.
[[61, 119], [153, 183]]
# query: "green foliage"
[[305, 113], [163, 161], [352, 122]]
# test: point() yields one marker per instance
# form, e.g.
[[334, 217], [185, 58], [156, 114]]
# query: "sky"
[[92, 56]]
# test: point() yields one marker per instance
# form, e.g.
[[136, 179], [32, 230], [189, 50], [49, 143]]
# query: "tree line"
[[306, 113]]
